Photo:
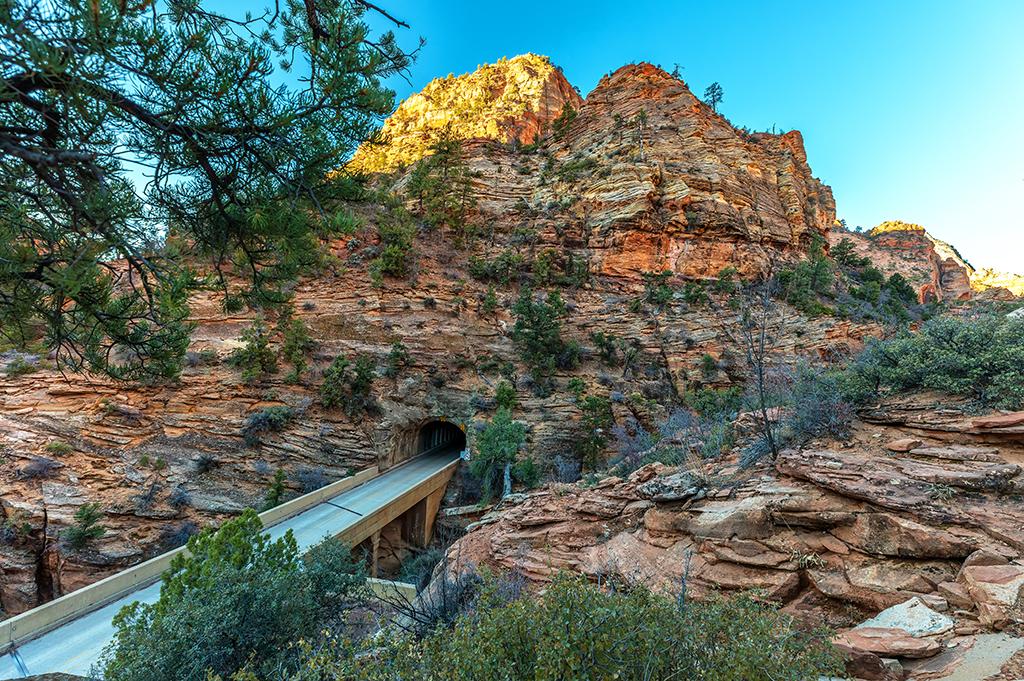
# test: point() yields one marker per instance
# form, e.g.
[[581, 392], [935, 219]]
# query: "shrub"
[[566, 469], [489, 304], [20, 365], [595, 429], [538, 334], [505, 396], [58, 447], [707, 401], [657, 290], [726, 282], [496, 447], [982, 358], [275, 492], [398, 359], [266, 420], [396, 232], [251, 598], [254, 358], [178, 534], [296, 344], [526, 473], [179, 498], [803, 284], [501, 269], [347, 384], [86, 529], [817, 406], [418, 568], [580, 631], [607, 347], [311, 479]]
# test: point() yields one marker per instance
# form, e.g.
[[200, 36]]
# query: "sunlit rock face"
[[933, 267], [645, 177], [513, 99]]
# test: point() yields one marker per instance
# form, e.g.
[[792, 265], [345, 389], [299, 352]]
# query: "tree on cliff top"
[[713, 95], [123, 125]]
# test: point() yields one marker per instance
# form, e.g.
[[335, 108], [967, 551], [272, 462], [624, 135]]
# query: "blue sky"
[[910, 110]]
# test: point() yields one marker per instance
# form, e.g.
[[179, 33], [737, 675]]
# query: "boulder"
[[676, 487], [888, 642], [913, 617], [956, 594], [998, 591]]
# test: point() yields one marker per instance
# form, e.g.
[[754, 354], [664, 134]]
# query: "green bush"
[[538, 334], [657, 290], [580, 632], [266, 420], [982, 358], [803, 284], [397, 232], [496, 446], [398, 359], [238, 599], [502, 269], [347, 384], [295, 345], [275, 491], [595, 429], [505, 396], [254, 358], [87, 527], [709, 401]]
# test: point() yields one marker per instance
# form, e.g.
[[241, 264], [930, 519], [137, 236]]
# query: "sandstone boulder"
[[889, 642], [998, 591]]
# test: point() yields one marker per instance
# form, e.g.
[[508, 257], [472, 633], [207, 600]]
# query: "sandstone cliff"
[[514, 99], [933, 267]]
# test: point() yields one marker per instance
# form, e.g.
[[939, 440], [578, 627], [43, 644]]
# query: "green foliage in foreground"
[[982, 358], [578, 631], [239, 599]]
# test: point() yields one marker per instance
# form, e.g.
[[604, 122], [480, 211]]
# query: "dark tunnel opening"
[[436, 436]]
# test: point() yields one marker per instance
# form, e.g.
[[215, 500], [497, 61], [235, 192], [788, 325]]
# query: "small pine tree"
[[275, 493], [490, 302], [713, 95], [86, 528], [255, 358]]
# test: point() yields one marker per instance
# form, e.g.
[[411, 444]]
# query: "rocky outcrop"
[[645, 177], [514, 99], [934, 268], [843, 532]]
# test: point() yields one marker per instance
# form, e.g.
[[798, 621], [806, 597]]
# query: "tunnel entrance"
[[436, 436]]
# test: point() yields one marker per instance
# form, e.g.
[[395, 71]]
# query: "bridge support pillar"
[[418, 524], [375, 552]]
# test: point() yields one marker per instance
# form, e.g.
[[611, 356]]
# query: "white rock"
[[913, 617]]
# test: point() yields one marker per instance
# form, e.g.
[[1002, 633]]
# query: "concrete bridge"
[[69, 633]]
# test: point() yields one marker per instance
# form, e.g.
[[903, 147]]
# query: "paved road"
[[74, 647]]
